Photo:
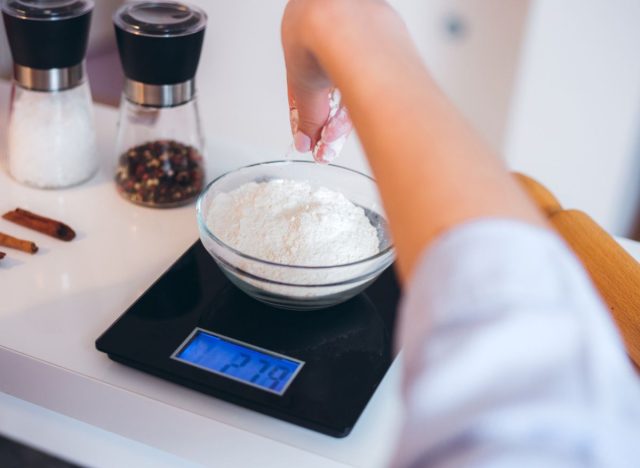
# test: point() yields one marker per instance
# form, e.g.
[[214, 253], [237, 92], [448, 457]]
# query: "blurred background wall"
[[553, 86], [575, 112]]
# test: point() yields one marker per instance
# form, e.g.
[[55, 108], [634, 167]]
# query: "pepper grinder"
[[160, 145], [50, 138]]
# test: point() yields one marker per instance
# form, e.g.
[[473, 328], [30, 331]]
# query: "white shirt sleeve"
[[511, 358]]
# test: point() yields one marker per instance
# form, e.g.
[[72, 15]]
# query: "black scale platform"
[[346, 349]]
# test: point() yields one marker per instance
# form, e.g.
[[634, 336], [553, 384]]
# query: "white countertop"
[[56, 303], [60, 394]]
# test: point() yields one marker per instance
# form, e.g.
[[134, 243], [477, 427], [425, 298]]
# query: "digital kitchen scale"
[[317, 369]]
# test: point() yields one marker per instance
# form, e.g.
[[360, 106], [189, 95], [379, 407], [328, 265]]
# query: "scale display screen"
[[238, 361]]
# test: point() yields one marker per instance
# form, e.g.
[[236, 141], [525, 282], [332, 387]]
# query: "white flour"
[[290, 222]]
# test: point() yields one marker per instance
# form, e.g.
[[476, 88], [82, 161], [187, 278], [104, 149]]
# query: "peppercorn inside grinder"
[[50, 140], [160, 145]]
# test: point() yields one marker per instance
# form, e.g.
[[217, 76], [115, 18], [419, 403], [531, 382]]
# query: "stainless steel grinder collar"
[[159, 95], [54, 79]]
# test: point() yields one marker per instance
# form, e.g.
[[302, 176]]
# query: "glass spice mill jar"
[[160, 145], [50, 139]]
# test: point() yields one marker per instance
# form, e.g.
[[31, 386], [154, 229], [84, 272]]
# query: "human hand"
[[319, 122]]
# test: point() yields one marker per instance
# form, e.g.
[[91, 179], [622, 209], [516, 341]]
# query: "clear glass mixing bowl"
[[293, 286]]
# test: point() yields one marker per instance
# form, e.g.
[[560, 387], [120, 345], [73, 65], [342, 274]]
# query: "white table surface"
[[58, 393]]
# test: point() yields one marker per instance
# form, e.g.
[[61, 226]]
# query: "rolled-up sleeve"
[[511, 359]]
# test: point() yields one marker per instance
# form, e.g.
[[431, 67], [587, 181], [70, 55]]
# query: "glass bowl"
[[293, 286]]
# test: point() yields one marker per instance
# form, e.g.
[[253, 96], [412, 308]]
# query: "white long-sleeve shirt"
[[511, 358]]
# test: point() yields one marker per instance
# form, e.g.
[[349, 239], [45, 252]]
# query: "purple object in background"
[[105, 74]]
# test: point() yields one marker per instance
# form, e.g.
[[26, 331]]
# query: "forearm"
[[433, 171]]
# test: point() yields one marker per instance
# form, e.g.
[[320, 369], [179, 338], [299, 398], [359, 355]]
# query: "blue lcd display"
[[238, 361]]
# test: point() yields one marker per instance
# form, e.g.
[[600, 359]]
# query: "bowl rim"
[[203, 226]]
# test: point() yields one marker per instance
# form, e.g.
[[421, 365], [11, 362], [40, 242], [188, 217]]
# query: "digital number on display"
[[238, 361]]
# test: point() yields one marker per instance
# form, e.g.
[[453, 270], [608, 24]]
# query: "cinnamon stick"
[[47, 226], [2, 255], [19, 244]]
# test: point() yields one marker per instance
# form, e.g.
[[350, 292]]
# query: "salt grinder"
[[50, 134], [160, 145]]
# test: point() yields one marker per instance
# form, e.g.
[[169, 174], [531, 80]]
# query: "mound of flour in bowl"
[[293, 223]]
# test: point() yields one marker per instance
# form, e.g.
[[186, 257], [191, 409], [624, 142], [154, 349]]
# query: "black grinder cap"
[[159, 42], [47, 34]]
